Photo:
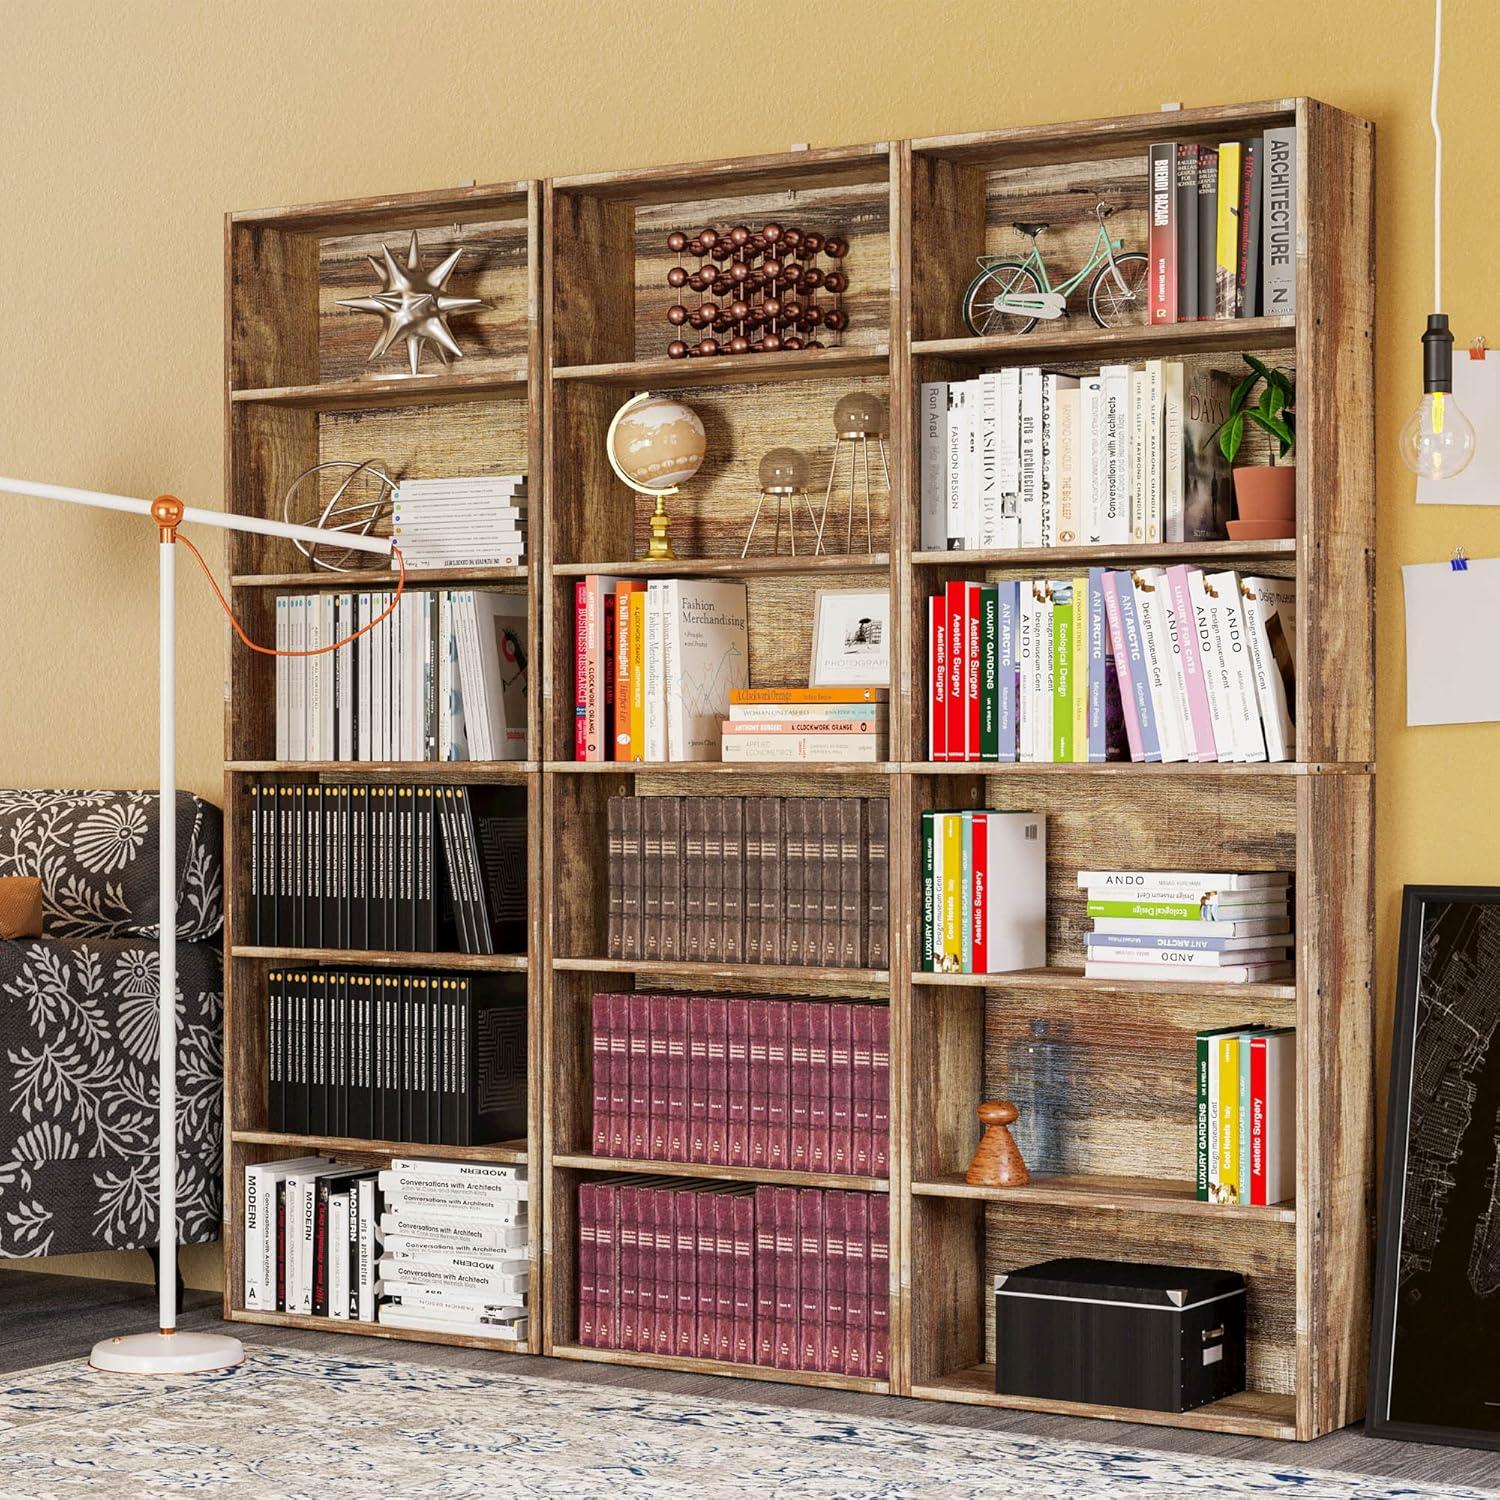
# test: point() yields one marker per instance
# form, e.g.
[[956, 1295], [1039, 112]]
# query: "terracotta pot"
[[1266, 493]]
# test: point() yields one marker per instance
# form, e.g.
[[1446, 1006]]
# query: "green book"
[[1062, 672], [989, 672], [1187, 911], [929, 891]]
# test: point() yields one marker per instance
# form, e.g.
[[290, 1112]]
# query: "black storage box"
[[1111, 1333]]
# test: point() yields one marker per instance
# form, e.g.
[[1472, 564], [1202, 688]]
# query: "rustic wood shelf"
[[498, 772], [500, 1151], [728, 567], [386, 578], [744, 973], [512, 963], [690, 768], [1044, 559], [378, 1330], [1062, 977], [1125, 768], [583, 1162], [1152, 1195], [734, 369], [413, 390], [721, 1367], [1086, 341]]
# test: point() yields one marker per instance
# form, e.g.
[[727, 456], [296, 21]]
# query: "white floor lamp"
[[168, 1351]]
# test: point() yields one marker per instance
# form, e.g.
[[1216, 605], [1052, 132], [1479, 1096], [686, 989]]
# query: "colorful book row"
[[1247, 1115]]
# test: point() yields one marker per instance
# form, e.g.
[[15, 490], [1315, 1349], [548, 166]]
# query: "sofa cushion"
[[96, 855]]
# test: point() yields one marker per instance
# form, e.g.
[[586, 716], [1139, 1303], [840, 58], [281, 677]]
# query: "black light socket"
[[1437, 354]]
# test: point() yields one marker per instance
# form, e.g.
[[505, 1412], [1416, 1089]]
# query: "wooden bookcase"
[[915, 213]]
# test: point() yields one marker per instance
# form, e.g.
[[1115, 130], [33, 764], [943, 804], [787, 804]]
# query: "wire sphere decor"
[[360, 501]]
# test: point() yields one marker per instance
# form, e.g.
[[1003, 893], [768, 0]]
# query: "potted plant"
[[1265, 495]]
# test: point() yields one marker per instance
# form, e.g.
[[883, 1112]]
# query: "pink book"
[[958, 655], [972, 593], [760, 1038], [698, 1080], [778, 1089], [835, 1309], [1116, 625], [600, 1019], [880, 1092], [718, 1083], [937, 679], [627, 1237], [677, 1078], [1192, 664], [862, 1028], [979, 891], [787, 1263], [841, 1088], [656, 1034], [684, 1273], [703, 1326], [743, 1219], [800, 1085], [580, 670], [765, 1276], [819, 1089], [880, 1286], [724, 1277], [857, 1283], [810, 1279], [619, 1075], [607, 1265], [737, 1099], [588, 1271], [638, 1142], [666, 1265]]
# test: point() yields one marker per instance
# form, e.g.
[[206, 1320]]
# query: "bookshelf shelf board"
[[1085, 340], [1152, 1195], [740, 973], [439, 206], [500, 1151], [719, 767], [416, 578], [684, 182], [727, 567], [377, 1330], [1060, 978], [1043, 559], [721, 1367], [401, 390], [734, 369], [1112, 768], [583, 1162], [505, 772], [1264, 1414], [379, 958]]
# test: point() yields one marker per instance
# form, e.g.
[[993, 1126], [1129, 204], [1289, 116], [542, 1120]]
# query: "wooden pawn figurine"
[[997, 1162]]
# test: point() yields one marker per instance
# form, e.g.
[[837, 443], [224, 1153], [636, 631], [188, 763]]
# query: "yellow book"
[[1081, 669], [1229, 1119], [1227, 252], [638, 675], [953, 882]]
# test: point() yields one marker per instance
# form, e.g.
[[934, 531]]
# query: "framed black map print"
[[1434, 1366]]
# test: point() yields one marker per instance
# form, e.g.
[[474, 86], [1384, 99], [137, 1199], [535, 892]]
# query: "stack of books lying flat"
[[461, 523], [848, 724], [1215, 928]]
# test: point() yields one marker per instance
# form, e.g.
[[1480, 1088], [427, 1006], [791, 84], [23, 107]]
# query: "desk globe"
[[655, 444]]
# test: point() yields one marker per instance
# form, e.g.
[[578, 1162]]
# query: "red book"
[[645, 1270], [1162, 239], [880, 1092], [937, 679], [841, 1088], [810, 1279], [818, 1087], [800, 1092], [627, 1237], [580, 670], [972, 609], [743, 1220], [677, 1078], [666, 1264], [698, 1080], [787, 1262], [778, 1085], [958, 676], [703, 1324], [600, 1018], [724, 1277], [760, 1039], [737, 1096], [718, 1083], [619, 1075], [979, 890], [857, 1283], [765, 1276], [880, 1286], [684, 1273], [862, 1028], [607, 1265], [638, 1140], [588, 1270], [1254, 1191], [835, 1309], [657, 1077]]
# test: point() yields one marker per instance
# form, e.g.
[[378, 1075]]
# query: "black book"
[[1208, 231], [317, 1097], [343, 1052], [285, 867], [1247, 290], [257, 873], [447, 803], [455, 997], [492, 1079], [276, 1051], [359, 872], [391, 1123], [406, 896], [406, 1043], [324, 1190], [1186, 216], [497, 845], [426, 904], [281, 1244], [298, 1051]]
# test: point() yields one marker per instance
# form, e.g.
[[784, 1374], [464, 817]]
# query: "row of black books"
[[435, 1059], [406, 869]]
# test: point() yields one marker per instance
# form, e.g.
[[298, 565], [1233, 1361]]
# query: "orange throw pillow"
[[20, 906]]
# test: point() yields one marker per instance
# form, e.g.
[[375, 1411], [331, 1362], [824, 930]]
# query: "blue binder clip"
[[1460, 560]]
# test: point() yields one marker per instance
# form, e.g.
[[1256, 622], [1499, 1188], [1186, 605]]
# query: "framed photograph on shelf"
[[1437, 1269], [851, 639]]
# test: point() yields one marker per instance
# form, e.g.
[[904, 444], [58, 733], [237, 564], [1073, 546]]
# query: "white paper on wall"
[[1453, 641], [1476, 388]]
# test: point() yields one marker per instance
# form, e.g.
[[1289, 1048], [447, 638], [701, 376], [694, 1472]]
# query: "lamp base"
[[167, 1354]]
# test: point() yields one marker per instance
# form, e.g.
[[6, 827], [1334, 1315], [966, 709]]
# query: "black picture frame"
[[1384, 1413]]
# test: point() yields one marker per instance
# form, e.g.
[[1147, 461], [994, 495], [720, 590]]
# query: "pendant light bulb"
[[1437, 441]]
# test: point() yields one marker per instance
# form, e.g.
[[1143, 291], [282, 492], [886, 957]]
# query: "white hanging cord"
[[1437, 161]]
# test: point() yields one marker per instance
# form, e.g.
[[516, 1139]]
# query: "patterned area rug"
[[289, 1424]]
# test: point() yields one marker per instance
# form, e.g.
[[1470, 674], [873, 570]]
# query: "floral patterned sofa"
[[78, 1025]]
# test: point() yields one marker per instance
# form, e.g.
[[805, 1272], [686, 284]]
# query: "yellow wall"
[[128, 128]]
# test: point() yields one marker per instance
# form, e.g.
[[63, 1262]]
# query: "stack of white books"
[[461, 523], [453, 1248]]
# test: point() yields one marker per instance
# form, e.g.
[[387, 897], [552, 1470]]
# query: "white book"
[[260, 1227], [1185, 958], [1215, 672], [1045, 746], [1114, 457], [1175, 629], [363, 614], [364, 1191], [987, 448], [516, 1330], [972, 477], [655, 668], [419, 1246], [379, 749], [1065, 509], [429, 1226], [1137, 474], [1152, 487], [1166, 884], [297, 679], [473, 1276], [1015, 900], [1053, 386], [1223, 591], [447, 684], [312, 670], [1270, 607], [412, 1206], [345, 669], [405, 1170], [1174, 453], [490, 557], [1090, 449], [1228, 974], [413, 705], [1030, 453], [473, 685], [445, 1302], [934, 465], [338, 1256], [1025, 674], [1149, 588], [827, 749], [1278, 1131], [956, 433], [328, 713], [500, 626], [1008, 454], [283, 679], [707, 656]]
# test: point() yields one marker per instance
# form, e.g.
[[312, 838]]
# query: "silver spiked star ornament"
[[414, 306]]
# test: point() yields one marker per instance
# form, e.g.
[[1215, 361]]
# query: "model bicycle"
[[1013, 296]]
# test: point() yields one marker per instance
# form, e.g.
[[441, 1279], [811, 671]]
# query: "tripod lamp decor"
[[170, 1351]]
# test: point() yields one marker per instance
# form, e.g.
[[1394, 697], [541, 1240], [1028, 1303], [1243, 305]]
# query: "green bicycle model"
[[1012, 296]]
